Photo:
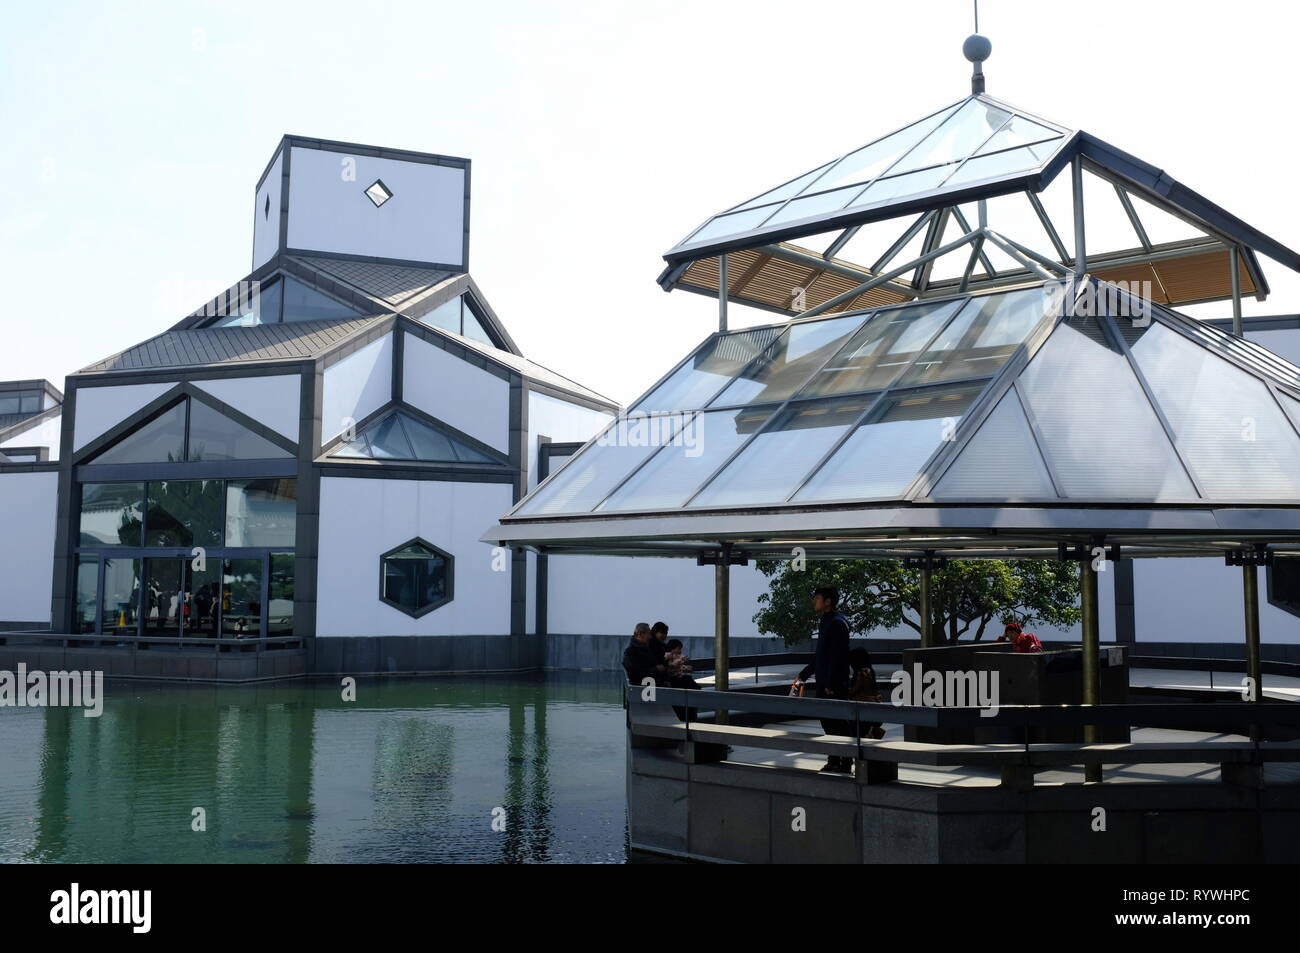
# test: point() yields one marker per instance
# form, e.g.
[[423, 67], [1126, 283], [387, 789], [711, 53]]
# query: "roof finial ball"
[[977, 49]]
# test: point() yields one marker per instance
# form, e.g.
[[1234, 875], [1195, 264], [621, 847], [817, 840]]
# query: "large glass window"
[[260, 308], [261, 512], [184, 513], [20, 402], [416, 577], [241, 598], [304, 303], [119, 604], [112, 514], [211, 436], [980, 339], [459, 317], [402, 436], [279, 610], [87, 593]]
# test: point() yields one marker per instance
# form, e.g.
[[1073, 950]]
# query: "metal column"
[[1091, 652], [1080, 248], [927, 611], [1250, 597], [723, 288], [1234, 262], [722, 625]]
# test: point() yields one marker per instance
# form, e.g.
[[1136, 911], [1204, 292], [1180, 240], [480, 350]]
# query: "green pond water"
[[474, 769]]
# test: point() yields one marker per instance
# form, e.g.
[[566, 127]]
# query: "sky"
[[600, 134]]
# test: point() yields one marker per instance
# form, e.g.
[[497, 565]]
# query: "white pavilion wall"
[[28, 504], [1200, 600]]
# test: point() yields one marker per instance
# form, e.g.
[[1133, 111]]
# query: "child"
[[863, 688]]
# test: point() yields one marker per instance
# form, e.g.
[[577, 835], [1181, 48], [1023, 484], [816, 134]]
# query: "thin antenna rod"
[[977, 16]]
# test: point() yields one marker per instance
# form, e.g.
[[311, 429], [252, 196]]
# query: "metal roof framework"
[[1099, 419], [806, 241]]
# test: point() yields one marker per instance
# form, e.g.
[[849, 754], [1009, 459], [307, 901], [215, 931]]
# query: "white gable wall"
[[47, 433], [455, 391], [361, 519], [330, 212], [272, 401], [266, 227], [1200, 600], [357, 386], [28, 502]]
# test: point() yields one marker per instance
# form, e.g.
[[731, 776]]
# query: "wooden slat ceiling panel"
[[773, 282], [1203, 275]]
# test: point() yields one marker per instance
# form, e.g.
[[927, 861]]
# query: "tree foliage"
[[966, 595]]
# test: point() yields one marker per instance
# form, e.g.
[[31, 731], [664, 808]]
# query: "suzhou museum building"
[[343, 463]]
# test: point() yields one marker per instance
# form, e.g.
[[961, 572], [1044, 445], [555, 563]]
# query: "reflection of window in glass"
[[279, 608], [87, 592], [416, 578], [184, 513], [112, 514], [241, 598], [261, 512]]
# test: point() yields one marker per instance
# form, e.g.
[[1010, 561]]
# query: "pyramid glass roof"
[[1019, 397], [398, 435]]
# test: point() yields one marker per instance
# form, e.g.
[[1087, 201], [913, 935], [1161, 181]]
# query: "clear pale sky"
[[601, 132]]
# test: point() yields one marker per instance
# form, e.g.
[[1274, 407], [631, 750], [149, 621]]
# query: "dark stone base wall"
[[158, 664], [423, 654]]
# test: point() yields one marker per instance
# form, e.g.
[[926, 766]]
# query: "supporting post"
[[927, 611], [1235, 264], [722, 293], [1250, 598], [1091, 653], [1080, 250], [722, 626]]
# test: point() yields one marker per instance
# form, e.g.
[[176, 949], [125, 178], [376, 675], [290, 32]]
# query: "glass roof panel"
[[1003, 163], [879, 351], [1098, 429], [911, 183], [783, 192], [669, 478], [589, 476], [1001, 461], [1018, 132], [815, 204], [789, 362], [769, 469], [883, 457], [733, 223], [713, 366], [873, 159], [957, 138], [981, 339], [1234, 436]]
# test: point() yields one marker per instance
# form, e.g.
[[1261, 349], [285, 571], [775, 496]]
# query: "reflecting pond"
[[474, 769]]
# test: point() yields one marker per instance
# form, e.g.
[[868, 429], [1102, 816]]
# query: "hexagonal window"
[[416, 577]]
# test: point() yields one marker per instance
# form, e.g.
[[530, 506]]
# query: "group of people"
[[837, 670], [653, 655]]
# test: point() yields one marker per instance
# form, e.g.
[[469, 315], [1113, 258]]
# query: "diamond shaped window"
[[378, 193]]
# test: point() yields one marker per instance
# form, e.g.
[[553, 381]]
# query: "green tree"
[[883, 594]]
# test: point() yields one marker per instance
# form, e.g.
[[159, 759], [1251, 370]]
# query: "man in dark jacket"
[[640, 660], [830, 665]]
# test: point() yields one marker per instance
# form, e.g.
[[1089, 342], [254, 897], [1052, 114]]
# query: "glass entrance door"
[[164, 596]]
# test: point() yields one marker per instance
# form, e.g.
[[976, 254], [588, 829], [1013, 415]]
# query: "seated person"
[[677, 664], [1023, 641], [658, 640], [863, 688], [640, 661]]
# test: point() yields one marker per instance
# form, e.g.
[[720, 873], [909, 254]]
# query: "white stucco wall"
[[266, 227], [1200, 600], [272, 401], [358, 385], [361, 519], [47, 434], [329, 210], [455, 391], [27, 512]]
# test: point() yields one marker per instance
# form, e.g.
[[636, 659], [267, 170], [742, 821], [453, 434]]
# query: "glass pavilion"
[[978, 356]]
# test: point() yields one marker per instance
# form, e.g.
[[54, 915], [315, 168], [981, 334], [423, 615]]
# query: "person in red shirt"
[[1023, 641]]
